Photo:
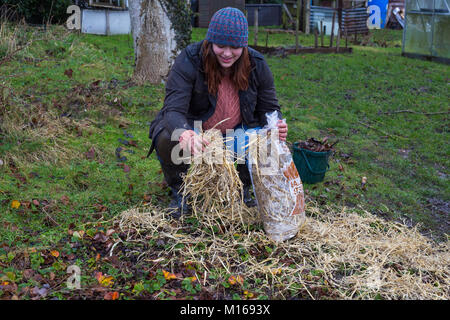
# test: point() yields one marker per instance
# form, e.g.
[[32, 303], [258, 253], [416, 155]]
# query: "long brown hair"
[[239, 73]]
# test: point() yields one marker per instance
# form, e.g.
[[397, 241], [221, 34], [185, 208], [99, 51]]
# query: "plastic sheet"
[[276, 183]]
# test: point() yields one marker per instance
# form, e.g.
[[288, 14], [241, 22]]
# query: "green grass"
[[346, 97]]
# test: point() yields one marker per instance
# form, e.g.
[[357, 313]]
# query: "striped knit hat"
[[228, 27]]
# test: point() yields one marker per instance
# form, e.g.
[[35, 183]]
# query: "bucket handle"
[[309, 166]]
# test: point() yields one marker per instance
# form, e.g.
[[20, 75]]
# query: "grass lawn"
[[74, 139]]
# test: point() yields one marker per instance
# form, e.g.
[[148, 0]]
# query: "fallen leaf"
[[104, 280], [69, 73], [15, 204], [275, 271], [132, 143], [54, 253], [65, 200], [35, 202], [363, 182], [42, 292], [99, 207], [28, 274], [111, 296], [78, 234], [90, 154], [168, 275], [100, 237], [235, 280]]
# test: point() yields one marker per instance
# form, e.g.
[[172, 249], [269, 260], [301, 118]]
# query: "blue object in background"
[[377, 16]]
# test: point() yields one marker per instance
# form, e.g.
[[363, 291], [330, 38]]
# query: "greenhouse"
[[426, 33]]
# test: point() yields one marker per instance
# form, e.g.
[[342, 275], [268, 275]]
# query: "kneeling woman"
[[216, 79]]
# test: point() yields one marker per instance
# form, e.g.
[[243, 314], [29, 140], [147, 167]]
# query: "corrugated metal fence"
[[353, 20]]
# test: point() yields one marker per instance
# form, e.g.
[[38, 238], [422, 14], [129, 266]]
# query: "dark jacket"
[[187, 97]]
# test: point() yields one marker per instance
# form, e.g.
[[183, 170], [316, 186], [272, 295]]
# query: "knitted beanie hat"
[[228, 27]]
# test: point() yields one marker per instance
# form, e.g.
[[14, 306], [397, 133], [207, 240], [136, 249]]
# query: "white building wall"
[[98, 21]]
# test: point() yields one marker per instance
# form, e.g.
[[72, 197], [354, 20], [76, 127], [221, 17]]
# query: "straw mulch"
[[338, 253], [355, 256]]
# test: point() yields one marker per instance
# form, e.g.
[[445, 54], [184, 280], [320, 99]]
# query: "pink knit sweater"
[[227, 107]]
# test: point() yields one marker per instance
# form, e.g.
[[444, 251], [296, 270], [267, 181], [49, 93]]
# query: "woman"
[[215, 79]]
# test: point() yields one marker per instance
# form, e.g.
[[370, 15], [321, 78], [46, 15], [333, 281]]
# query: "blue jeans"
[[238, 139]]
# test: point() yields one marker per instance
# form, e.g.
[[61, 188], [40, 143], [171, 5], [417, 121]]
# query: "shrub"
[[39, 11]]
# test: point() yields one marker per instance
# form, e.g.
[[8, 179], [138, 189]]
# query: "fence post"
[[108, 27], [332, 28], [306, 15], [321, 33], [346, 38], [315, 38], [338, 39]]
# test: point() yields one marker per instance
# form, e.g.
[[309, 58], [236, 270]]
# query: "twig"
[[50, 218], [415, 112], [379, 130]]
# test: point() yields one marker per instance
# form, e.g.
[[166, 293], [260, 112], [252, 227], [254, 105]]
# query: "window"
[[116, 4]]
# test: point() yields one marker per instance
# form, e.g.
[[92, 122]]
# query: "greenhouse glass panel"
[[427, 29], [441, 37], [418, 35]]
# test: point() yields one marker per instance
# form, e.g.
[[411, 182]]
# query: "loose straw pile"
[[349, 254], [212, 185], [345, 253]]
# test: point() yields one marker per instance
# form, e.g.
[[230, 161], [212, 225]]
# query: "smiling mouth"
[[226, 60]]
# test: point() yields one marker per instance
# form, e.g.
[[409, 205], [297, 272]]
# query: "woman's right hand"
[[192, 142]]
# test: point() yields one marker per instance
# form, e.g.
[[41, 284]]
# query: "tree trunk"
[[156, 26]]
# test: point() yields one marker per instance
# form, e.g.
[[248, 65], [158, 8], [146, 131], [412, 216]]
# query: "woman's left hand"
[[282, 130]]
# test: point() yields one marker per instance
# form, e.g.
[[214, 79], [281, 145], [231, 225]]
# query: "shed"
[[104, 17], [427, 24], [268, 14], [207, 8]]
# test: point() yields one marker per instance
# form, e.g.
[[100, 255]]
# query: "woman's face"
[[227, 55]]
